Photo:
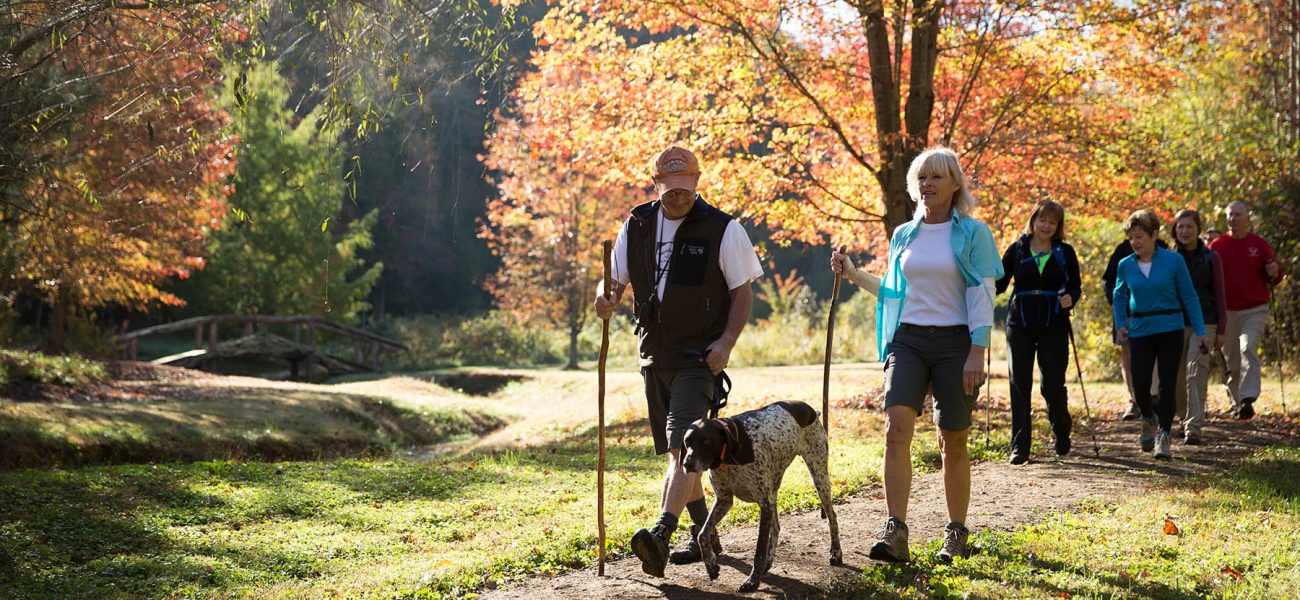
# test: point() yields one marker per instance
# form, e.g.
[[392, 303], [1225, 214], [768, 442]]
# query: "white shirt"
[[739, 262], [1145, 267], [936, 292]]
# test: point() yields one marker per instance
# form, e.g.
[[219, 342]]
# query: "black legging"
[[1052, 348], [1165, 351]]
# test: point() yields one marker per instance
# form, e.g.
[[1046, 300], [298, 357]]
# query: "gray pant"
[[1196, 367], [1242, 334]]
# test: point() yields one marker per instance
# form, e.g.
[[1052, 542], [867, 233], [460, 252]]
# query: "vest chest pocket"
[[690, 262]]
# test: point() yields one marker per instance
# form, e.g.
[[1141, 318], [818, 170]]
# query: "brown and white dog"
[[748, 455]]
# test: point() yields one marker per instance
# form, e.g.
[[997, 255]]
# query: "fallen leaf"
[[1170, 527], [1063, 595], [1231, 572]]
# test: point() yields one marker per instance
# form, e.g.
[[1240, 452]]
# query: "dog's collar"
[[726, 427]]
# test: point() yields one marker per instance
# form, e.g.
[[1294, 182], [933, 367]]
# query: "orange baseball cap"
[[676, 169]]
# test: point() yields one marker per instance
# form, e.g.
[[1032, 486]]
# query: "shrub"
[[19, 367]]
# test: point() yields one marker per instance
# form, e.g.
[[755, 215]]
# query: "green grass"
[[1239, 538], [18, 367], [364, 528]]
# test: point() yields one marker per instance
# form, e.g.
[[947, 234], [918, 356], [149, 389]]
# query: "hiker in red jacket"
[[1248, 271]]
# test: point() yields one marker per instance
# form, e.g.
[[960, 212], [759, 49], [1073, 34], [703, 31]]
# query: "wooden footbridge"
[[301, 349]]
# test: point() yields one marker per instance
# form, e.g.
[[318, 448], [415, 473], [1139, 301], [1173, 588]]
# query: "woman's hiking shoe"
[[892, 544], [651, 547], [690, 551], [1162, 445], [1062, 445], [1019, 458], [1132, 414], [1147, 439], [955, 536]]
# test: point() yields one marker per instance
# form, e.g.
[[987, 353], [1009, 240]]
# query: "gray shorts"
[[676, 398], [921, 357]]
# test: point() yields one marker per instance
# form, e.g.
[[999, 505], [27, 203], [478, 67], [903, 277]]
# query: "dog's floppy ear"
[[740, 450]]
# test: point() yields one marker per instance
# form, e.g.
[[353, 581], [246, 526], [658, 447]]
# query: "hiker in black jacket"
[[1046, 274]]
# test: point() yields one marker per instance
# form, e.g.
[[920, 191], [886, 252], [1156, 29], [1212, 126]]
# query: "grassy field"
[[409, 520], [1234, 536]]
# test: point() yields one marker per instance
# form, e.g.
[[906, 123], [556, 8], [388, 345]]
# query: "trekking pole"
[[1277, 338], [830, 334], [600, 428], [988, 391], [1092, 429]]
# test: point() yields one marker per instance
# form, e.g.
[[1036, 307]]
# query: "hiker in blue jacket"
[[1046, 274], [1153, 295]]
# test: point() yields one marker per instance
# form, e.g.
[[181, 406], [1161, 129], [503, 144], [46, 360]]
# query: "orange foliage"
[[780, 101], [140, 181]]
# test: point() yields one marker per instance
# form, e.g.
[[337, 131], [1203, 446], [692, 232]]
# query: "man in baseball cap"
[[690, 266]]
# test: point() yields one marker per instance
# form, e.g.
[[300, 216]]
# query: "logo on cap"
[[674, 165]]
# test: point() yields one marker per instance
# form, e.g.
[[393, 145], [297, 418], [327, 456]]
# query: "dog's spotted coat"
[[748, 455]]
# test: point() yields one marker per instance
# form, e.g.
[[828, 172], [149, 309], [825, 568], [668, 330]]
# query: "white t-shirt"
[[1145, 267], [739, 262], [936, 292]]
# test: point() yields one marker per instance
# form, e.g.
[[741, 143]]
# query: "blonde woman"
[[933, 315]]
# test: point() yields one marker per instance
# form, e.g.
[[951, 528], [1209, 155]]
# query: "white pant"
[[1242, 334], [1196, 369]]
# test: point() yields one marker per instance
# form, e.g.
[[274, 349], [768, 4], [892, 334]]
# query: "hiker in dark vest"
[[690, 266], [1122, 251], [1153, 296], [1046, 274], [1206, 271]]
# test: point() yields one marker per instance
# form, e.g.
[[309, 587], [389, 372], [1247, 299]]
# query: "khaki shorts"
[[922, 356]]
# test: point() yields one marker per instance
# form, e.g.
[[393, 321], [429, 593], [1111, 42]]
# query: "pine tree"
[[282, 251]]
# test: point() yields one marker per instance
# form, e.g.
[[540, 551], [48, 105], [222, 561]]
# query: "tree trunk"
[[56, 340]]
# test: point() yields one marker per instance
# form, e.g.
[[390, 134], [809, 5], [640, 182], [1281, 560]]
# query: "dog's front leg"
[[763, 551], [705, 539]]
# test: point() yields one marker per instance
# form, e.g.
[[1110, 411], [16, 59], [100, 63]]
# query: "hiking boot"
[[892, 544], [1147, 439], [1162, 445], [1019, 458], [1062, 445], [1247, 409], [651, 546], [689, 552], [954, 542], [1132, 414], [1192, 439]]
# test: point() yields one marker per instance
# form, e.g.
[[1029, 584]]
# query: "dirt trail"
[[1004, 498]]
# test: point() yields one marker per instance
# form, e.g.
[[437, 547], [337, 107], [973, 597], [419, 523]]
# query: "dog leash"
[[721, 389]]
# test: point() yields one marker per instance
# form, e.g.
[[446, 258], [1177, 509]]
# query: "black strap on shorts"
[[721, 384], [1155, 313]]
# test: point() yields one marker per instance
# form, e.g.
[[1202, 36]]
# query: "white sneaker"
[[1162, 445]]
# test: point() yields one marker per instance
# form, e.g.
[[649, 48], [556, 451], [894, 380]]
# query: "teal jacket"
[[977, 259], [1153, 304]]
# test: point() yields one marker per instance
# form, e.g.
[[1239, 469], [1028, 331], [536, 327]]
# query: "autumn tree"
[[548, 211], [807, 115], [282, 252], [133, 171]]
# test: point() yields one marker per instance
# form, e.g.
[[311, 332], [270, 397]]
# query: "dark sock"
[[959, 525], [698, 510], [668, 521]]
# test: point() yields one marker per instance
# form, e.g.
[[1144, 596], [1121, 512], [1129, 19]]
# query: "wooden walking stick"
[[600, 428], [830, 335]]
